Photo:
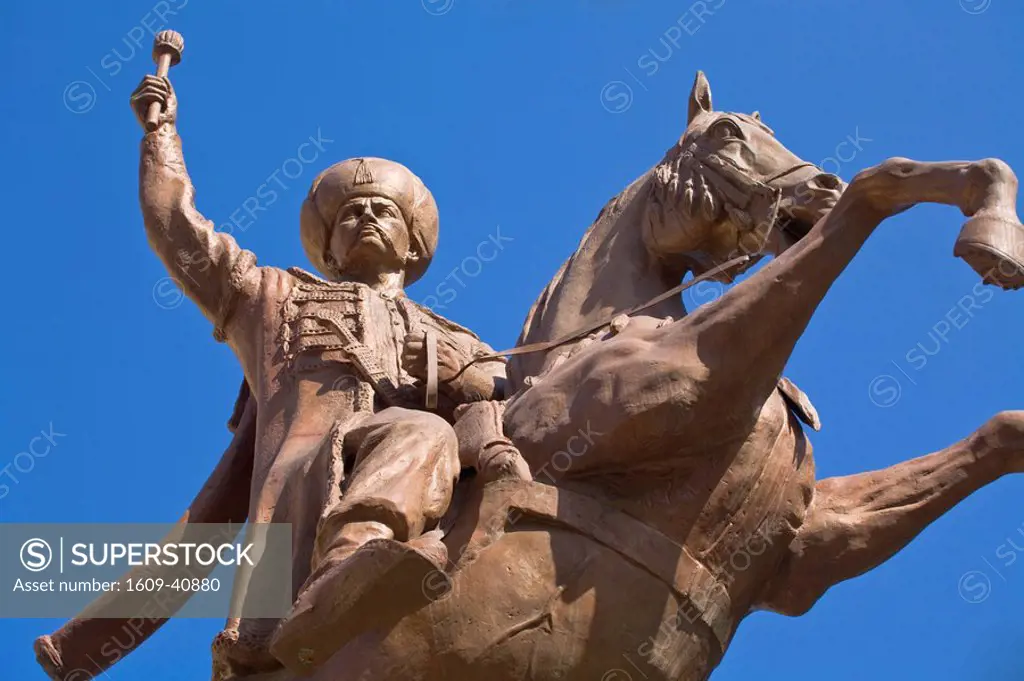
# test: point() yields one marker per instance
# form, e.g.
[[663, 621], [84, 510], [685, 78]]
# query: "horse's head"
[[729, 188]]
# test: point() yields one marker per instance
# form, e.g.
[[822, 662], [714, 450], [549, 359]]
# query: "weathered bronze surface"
[[618, 476]]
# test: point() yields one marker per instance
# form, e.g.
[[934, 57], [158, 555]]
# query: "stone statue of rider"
[[338, 365]]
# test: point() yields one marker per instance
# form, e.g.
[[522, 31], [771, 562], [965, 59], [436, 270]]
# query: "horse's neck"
[[612, 271]]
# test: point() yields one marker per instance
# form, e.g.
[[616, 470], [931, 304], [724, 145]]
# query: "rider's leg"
[[371, 554], [404, 472]]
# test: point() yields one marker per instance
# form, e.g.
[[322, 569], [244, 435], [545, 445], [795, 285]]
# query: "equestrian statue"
[[624, 489]]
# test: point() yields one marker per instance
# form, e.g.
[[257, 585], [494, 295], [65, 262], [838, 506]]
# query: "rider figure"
[[337, 366]]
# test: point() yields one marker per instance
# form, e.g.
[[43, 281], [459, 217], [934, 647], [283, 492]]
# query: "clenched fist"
[[155, 89], [414, 358]]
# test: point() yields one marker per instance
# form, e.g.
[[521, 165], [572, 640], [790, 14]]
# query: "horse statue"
[[649, 483]]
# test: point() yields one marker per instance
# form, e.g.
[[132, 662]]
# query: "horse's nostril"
[[828, 181]]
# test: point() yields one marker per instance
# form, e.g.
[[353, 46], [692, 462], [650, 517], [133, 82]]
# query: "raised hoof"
[[377, 585], [994, 247]]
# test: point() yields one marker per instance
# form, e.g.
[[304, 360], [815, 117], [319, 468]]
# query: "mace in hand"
[[167, 49]]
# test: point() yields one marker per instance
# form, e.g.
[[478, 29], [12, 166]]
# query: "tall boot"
[[362, 579]]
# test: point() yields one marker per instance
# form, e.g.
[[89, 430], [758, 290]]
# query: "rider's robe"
[[313, 382]]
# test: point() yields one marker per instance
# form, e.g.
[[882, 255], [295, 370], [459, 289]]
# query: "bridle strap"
[[739, 186], [788, 171]]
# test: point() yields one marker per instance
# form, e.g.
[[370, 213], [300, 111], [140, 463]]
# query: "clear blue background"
[[498, 106]]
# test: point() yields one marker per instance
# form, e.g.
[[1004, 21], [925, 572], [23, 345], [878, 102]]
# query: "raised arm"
[[209, 266]]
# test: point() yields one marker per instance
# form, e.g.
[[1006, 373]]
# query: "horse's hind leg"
[[745, 338], [857, 522]]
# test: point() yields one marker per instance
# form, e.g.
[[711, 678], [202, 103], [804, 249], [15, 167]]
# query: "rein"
[[742, 193], [724, 268]]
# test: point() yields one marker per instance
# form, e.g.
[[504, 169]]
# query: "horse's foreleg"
[[746, 337], [857, 522]]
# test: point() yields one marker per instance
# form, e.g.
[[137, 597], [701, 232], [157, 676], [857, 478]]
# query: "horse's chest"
[[757, 499]]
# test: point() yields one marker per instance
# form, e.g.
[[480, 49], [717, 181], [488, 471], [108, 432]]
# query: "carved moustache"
[[379, 231]]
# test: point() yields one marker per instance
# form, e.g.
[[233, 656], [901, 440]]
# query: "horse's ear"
[[700, 97], [756, 115]]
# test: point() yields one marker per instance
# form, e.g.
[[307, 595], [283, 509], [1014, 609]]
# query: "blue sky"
[[524, 118]]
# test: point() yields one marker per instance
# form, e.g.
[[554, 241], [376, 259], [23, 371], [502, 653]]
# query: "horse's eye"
[[726, 130]]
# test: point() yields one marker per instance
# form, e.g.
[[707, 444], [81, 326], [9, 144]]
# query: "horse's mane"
[[680, 186], [606, 217]]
